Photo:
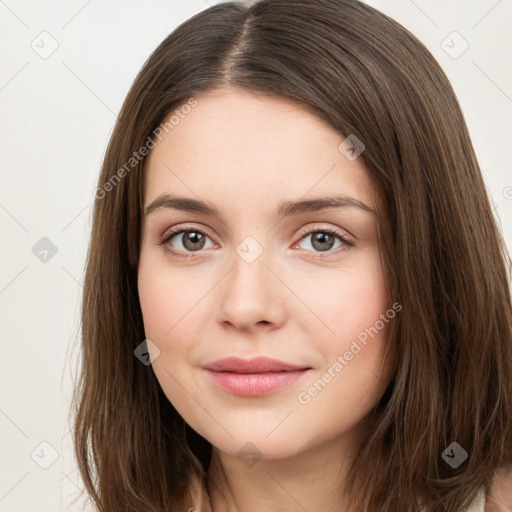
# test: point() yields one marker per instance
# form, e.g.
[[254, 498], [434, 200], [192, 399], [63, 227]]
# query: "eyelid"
[[175, 230], [342, 233]]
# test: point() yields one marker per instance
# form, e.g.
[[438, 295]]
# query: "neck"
[[310, 480]]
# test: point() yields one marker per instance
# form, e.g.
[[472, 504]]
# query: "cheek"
[[346, 301], [175, 307], [158, 302], [166, 297], [356, 312], [167, 309]]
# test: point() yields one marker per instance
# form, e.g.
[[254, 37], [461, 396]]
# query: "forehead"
[[238, 145]]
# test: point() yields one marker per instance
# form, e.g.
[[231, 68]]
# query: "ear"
[[500, 497]]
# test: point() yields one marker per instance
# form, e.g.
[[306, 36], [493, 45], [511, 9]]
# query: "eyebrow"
[[286, 208]]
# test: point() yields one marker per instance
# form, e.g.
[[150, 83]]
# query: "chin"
[[252, 439]]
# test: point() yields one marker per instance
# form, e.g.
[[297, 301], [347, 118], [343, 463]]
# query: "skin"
[[245, 153], [500, 496]]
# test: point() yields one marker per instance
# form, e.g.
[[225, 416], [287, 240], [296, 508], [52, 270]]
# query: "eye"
[[182, 242], [187, 240], [323, 240]]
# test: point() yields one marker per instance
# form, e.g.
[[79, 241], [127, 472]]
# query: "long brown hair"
[[444, 259]]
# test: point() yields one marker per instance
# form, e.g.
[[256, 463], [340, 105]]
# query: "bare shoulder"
[[500, 498]]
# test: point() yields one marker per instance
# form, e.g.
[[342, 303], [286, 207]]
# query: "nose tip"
[[247, 296]]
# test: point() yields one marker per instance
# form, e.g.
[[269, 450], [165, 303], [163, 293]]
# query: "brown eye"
[[323, 240], [183, 242], [192, 240]]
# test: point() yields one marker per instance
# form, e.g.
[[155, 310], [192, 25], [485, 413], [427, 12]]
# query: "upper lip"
[[255, 365]]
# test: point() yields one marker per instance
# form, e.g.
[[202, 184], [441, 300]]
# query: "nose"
[[251, 297]]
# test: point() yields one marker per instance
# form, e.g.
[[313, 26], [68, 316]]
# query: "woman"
[[296, 295]]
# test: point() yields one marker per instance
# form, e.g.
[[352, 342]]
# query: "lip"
[[253, 377]]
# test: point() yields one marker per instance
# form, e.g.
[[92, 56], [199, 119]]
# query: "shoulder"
[[500, 497]]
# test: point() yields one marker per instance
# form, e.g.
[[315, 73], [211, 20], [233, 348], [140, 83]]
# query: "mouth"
[[255, 377]]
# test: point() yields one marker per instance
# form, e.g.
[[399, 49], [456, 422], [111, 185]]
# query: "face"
[[241, 258]]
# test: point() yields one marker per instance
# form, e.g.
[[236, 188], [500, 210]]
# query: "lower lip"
[[255, 384]]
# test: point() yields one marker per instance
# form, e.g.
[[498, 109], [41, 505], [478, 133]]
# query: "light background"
[[57, 114]]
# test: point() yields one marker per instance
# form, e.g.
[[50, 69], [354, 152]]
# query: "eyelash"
[[347, 242]]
